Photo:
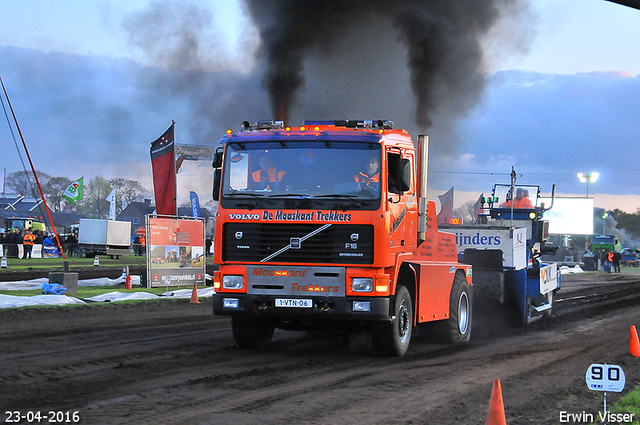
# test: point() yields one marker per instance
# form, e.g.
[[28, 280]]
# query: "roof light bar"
[[263, 125], [366, 124]]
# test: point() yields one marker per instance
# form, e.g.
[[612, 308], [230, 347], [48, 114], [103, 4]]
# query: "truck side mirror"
[[217, 174], [405, 181], [217, 158], [399, 174]]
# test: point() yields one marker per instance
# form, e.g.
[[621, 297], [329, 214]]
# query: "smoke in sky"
[[442, 41]]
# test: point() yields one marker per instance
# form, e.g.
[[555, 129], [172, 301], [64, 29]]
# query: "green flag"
[[74, 192]]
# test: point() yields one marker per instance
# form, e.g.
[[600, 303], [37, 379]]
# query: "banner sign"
[[175, 251], [164, 172], [195, 204]]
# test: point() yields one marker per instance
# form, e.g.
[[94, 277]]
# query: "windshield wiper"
[[290, 194], [337, 195]]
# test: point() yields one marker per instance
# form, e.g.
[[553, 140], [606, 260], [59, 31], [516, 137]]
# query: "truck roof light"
[[263, 125], [270, 125], [365, 124], [229, 131]]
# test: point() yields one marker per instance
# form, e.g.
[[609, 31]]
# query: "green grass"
[[38, 263], [92, 291], [627, 404], [58, 263]]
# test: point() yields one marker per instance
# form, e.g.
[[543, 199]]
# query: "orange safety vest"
[[142, 241], [523, 203], [610, 257], [268, 175], [364, 179], [29, 238]]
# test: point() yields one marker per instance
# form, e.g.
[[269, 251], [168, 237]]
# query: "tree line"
[[95, 191]]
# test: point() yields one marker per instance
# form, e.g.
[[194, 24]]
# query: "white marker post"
[[604, 377]]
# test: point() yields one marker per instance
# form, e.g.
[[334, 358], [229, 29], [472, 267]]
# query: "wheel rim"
[[463, 313], [403, 321]]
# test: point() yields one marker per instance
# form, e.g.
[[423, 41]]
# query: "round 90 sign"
[[605, 377]]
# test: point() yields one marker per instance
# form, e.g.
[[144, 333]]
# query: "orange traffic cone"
[[194, 295], [496, 408], [634, 344]]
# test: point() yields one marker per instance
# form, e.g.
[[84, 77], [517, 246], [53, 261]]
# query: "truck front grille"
[[309, 243]]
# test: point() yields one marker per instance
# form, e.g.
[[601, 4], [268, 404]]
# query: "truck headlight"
[[362, 284], [232, 282]]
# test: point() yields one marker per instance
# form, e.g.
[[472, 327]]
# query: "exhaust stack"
[[423, 202]]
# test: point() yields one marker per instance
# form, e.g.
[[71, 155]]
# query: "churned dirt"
[[172, 362]]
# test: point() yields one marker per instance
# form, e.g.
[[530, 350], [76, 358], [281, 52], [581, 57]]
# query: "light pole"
[[604, 217], [588, 178]]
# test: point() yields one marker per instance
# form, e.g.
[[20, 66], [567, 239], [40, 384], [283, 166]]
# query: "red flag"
[[164, 173], [477, 207], [446, 207]]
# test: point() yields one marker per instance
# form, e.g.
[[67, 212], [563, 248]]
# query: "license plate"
[[294, 303]]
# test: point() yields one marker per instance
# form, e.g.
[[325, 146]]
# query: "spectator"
[[137, 247], [208, 242], [616, 261], [28, 241]]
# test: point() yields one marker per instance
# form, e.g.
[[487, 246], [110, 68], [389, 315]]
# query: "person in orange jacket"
[[521, 201], [370, 178], [28, 241], [267, 175]]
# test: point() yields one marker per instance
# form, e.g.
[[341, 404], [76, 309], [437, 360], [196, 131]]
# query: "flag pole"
[[175, 171], [46, 207]]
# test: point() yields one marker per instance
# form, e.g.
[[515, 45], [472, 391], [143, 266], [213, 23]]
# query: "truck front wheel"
[[392, 338], [250, 332]]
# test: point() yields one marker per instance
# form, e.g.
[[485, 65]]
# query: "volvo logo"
[[355, 237], [239, 234]]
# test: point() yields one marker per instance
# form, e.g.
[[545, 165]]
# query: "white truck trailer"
[[104, 237]]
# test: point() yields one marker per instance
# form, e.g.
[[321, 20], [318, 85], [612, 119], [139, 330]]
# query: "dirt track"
[[172, 362]]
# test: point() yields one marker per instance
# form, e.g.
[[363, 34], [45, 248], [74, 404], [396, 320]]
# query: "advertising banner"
[[175, 251]]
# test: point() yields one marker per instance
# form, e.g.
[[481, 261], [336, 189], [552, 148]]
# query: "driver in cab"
[[521, 202]]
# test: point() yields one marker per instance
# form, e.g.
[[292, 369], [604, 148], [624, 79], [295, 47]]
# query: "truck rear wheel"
[[251, 333], [458, 327], [392, 338], [459, 311]]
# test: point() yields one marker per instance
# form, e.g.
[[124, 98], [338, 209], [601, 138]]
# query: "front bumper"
[[334, 308]]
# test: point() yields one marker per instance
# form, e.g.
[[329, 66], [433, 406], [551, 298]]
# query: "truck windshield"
[[319, 170]]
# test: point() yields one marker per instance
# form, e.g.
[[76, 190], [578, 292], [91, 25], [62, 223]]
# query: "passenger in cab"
[[268, 176]]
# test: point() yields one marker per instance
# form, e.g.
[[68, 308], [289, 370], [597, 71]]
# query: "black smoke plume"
[[443, 40]]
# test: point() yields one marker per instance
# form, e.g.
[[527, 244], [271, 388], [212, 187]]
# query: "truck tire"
[[457, 328], [251, 333], [460, 317], [392, 338]]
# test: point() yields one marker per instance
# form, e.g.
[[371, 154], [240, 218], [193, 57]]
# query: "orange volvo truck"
[[328, 225]]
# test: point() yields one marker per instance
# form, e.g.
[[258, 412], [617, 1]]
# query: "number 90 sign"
[[605, 377]]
